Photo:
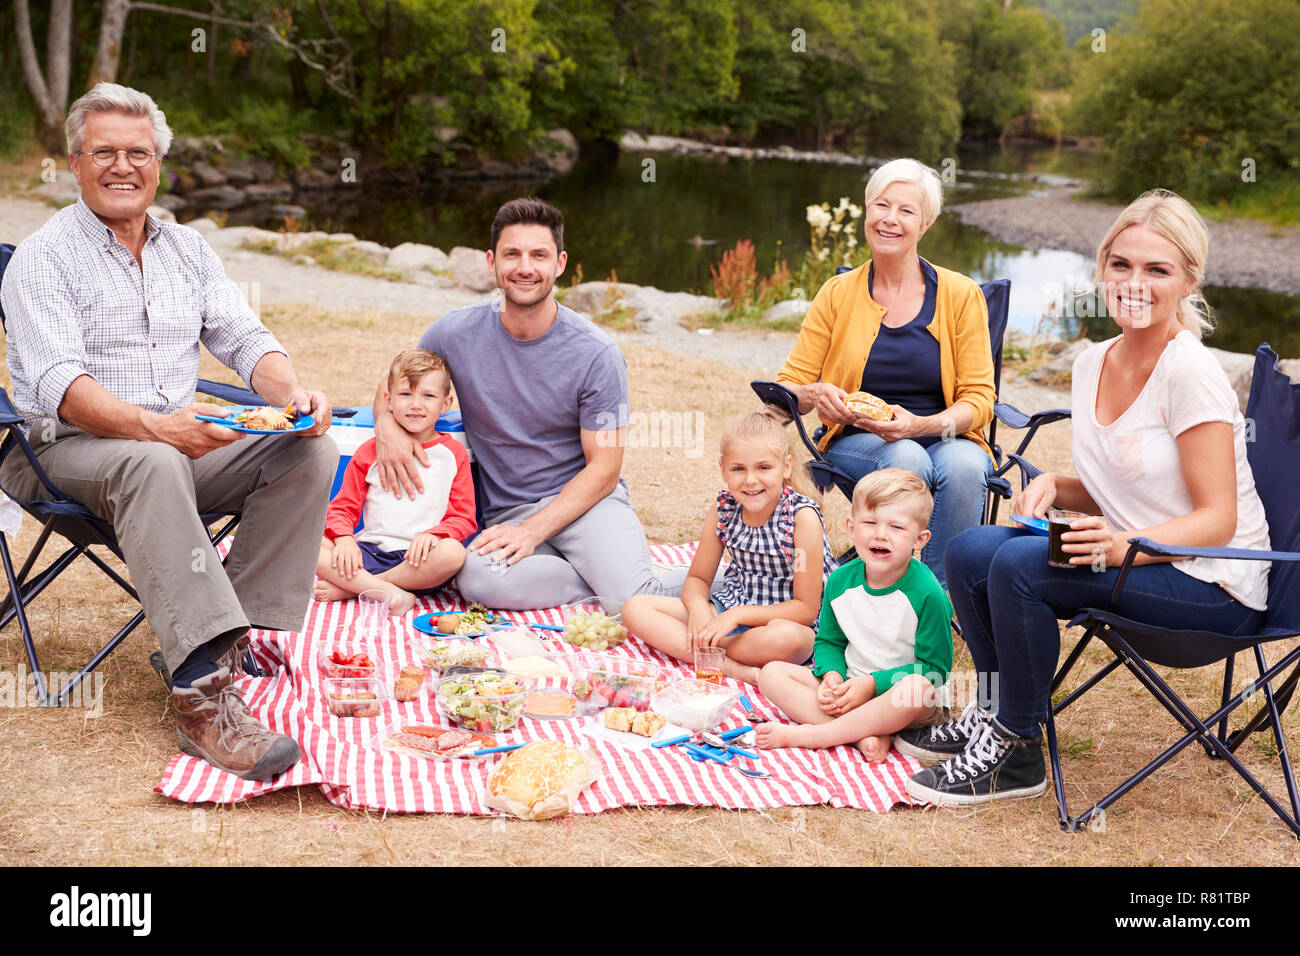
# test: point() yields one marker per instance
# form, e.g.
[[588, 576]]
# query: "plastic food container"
[[592, 630], [695, 704], [439, 653], [355, 696], [487, 702], [545, 669], [602, 680], [550, 704], [330, 667]]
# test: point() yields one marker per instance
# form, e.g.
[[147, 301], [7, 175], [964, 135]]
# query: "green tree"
[[1198, 97], [1001, 54]]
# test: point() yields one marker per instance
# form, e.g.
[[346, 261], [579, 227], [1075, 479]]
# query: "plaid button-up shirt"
[[77, 303]]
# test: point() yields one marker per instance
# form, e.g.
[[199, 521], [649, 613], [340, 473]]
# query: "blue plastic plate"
[[1036, 525], [425, 624], [303, 423]]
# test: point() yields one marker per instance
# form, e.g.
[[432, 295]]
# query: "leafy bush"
[[1196, 97]]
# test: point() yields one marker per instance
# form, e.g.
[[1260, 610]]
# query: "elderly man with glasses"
[[106, 308]]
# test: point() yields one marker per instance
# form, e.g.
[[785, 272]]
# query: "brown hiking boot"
[[214, 723]]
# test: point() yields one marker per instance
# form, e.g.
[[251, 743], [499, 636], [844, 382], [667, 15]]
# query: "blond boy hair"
[[412, 365], [887, 486]]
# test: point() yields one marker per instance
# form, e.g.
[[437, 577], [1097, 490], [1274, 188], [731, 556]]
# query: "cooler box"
[[351, 433]]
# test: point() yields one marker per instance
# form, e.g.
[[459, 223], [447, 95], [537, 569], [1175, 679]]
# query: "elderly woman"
[[915, 335], [1159, 450]]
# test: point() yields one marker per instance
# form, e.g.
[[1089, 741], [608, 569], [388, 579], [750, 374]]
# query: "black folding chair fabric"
[[1274, 454]]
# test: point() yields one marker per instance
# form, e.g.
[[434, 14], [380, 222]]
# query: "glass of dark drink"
[[1058, 522]]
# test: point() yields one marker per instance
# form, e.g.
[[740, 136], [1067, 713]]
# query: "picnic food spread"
[[490, 700], [407, 685], [440, 655], [595, 632], [631, 720], [869, 406], [537, 771], [536, 665], [349, 703], [347, 662], [433, 742], [267, 419], [550, 703]]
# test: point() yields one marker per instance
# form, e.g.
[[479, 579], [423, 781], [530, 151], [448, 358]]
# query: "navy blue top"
[[903, 364]]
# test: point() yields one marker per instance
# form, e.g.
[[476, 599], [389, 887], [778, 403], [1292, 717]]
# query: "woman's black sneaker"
[[996, 765], [940, 741]]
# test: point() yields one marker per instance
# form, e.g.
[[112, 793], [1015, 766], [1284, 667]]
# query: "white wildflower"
[[818, 218]]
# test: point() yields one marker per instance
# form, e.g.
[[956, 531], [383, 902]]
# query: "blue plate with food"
[[262, 420], [458, 623], [1036, 525]]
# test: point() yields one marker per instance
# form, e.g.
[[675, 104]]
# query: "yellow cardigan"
[[842, 324]]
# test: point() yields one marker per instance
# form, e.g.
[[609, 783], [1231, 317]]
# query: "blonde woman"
[[916, 336], [1159, 448]]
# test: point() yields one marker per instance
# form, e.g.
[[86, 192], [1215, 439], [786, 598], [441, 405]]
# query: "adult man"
[[543, 394], [106, 308]]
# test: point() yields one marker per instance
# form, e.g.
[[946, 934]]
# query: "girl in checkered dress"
[[766, 605]]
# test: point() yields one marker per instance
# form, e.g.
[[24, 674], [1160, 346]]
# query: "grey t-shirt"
[[524, 403]]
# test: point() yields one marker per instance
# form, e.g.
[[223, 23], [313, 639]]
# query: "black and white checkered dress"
[[762, 558]]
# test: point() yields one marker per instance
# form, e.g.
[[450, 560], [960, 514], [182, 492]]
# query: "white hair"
[[909, 171], [114, 98]]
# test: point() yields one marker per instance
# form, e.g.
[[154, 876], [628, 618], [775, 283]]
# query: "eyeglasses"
[[107, 156]]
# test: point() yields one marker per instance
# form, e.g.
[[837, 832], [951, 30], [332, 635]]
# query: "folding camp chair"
[[997, 295], [1274, 454], [82, 528]]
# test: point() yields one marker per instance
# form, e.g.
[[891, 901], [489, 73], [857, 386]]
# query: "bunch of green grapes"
[[594, 632]]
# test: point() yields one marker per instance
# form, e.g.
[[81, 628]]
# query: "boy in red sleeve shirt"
[[406, 545]]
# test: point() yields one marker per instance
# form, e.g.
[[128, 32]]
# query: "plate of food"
[[476, 622], [262, 420], [431, 743], [1036, 525]]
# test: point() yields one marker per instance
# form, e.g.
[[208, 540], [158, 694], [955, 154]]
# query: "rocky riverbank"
[[1244, 254]]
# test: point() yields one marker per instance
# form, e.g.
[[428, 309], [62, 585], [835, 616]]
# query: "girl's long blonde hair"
[[1173, 217], [766, 426]]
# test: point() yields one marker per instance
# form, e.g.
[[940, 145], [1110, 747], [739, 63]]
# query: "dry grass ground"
[[77, 790]]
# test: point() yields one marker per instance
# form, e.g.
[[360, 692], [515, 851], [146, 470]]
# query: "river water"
[[667, 231]]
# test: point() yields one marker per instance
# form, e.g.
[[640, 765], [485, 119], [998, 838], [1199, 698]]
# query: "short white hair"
[[114, 98], [909, 171]]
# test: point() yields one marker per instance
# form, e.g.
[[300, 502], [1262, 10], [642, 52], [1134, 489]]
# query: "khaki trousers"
[[153, 495]]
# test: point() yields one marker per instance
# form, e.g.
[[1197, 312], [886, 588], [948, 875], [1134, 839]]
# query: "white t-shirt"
[[1131, 467]]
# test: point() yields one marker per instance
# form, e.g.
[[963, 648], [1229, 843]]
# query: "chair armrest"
[[1013, 417], [235, 394], [1147, 546], [779, 397], [8, 412]]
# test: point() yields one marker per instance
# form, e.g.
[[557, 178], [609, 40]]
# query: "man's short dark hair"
[[529, 211]]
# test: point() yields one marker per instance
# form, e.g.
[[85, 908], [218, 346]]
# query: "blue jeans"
[[954, 469], [1008, 600]]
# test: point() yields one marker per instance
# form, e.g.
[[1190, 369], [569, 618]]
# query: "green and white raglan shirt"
[[885, 632]]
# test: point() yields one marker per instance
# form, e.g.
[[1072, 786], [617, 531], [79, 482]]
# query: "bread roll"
[[869, 406]]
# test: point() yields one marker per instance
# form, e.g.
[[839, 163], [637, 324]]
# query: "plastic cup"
[[372, 613], [708, 664], [1058, 522]]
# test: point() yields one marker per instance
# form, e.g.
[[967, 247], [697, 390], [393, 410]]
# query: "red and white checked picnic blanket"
[[338, 756]]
